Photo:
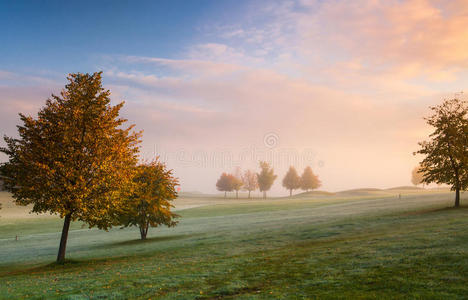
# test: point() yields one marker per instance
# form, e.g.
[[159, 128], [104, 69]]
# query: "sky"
[[342, 86]]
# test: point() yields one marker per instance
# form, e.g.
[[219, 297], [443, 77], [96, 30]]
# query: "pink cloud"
[[349, 80], [231, 112], [415, 37], [190, 66]]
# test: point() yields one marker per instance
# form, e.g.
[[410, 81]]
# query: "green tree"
[[225, 183], [249, 180], [446, 153], [149, 201], [265, 178], [309, 181], [73, 159], [291, 180]]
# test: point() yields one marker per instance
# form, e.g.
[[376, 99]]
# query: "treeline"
[[250, 181], [307, 181]]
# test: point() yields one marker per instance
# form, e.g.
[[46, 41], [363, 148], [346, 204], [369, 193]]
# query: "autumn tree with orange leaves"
[[291, 180], [149, 201], [417, 176], [446, 152], [309, 181], [266, 177], [74, 157], [225, 183], [249, 181]]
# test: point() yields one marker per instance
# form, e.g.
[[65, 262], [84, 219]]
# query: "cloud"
[[6, 75], [431, 38], [413, 39], [25, 99], [349, 80], [188, 66], [226, 112]]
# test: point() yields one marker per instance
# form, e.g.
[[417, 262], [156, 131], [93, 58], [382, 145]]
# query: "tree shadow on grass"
[[92, 262], [68, 264], [436, 210], [147, 240]]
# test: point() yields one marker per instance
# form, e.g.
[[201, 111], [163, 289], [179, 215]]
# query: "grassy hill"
[[406, 188], [339, 245]]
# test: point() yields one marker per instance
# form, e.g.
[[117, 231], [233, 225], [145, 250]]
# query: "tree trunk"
[[457, 197], [264, 194], [290, 193], [224, 194], [237, 194], [143, 232], [63, 239], [249, 194]]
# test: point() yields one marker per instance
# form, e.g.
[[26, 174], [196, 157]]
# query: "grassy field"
[[356, 244]]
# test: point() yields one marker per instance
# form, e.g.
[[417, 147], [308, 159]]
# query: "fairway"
[[355, 244]]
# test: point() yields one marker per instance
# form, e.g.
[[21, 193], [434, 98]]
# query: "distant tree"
[[417, 176], [74, 158], [291, 180], [249, 179], [237, 181], [225, 183], [148, 204], [309, 181], [265, 178], [446, 153]]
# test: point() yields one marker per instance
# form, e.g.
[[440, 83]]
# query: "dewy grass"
[[382, 247]]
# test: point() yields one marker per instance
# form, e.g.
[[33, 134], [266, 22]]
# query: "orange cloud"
[[415, 37], [350, 80]]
